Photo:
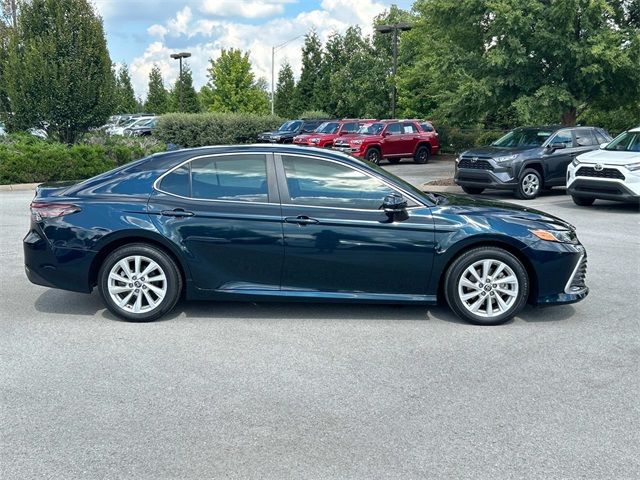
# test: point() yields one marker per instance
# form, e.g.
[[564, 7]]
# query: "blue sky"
[[145, 32]]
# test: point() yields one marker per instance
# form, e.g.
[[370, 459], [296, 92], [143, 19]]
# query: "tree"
[[157, 98], [306, 96], [126, 97], [58, 72], [183, 97], [232, 86], [285, 91], [499, 62]]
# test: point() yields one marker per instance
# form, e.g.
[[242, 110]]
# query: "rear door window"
[[233, 177], [585, 138]]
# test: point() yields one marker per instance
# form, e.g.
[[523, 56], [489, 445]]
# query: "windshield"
[[290, 126], [328, 127], [625, 142], [523, 137], [371, 129]]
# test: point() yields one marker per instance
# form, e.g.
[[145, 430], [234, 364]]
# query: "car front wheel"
[[486, 286], [373, 155], [583, 201], [139, 282], [530, 184]]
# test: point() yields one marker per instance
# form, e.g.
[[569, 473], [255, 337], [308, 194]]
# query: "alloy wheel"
[[488, 288], [137, 284], [530, 184]]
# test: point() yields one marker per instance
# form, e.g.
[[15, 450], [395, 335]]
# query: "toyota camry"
[[275, 222]]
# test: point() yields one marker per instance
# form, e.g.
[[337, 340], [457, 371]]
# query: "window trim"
[[273, 194], [285, 197]]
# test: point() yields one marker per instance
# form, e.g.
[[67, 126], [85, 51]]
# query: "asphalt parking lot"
[[277, 391]]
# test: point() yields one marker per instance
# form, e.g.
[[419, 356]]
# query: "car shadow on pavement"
[[69, 303]]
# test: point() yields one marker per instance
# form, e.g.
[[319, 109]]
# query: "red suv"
[[391, 139], [325, 134]]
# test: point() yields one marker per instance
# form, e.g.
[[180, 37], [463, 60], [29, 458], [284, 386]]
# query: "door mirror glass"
[[394, 203]]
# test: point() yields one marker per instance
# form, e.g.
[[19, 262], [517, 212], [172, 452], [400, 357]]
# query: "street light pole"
[[179, 57], [394, 29], [274, 49]]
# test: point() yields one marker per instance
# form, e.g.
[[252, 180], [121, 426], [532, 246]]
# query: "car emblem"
[[474, 159], [598, 167]]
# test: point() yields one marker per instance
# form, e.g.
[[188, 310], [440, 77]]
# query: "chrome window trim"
[[388, 184]]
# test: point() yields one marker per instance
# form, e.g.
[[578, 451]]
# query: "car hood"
[[610, 157], [491, 151], [465, 205]]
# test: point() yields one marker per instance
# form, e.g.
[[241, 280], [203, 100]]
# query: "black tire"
[[583, 201], [394, 160], [166, 265], [422, 155], [473, 190], [459, 266], [530, 184], [373, 155]]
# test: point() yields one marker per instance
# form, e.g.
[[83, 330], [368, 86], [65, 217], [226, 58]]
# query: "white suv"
[[611, 173]]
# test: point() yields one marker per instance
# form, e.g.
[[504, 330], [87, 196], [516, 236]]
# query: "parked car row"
[[137, 125], [370, 139], [528, 160]]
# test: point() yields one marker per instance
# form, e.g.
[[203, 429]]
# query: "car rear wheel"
[[139, 283], [486, 286], [422, 154], [373, 155], [529, 185], [583, 201], [473, 190]]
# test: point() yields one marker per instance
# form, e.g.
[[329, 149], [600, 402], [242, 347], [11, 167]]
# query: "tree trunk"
[[569, 117]]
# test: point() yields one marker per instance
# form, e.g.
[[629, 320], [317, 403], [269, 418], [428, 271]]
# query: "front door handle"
[[301, 220], [176, 212]]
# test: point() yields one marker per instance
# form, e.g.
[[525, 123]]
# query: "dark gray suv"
[[526, 159]]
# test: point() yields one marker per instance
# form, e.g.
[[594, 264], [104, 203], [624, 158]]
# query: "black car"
[[142, 130], [290, 129], [280, 222], [527, 159]]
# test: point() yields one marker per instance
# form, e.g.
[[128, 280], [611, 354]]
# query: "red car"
[[326, 133], [392, 140]]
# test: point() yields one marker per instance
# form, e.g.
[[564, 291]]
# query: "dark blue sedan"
[[283, 223]]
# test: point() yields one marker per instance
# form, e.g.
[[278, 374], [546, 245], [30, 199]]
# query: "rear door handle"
[[176, 212], [302, 220]]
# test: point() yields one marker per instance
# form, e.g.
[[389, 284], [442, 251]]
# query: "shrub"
[[200, 129], [26, 159]]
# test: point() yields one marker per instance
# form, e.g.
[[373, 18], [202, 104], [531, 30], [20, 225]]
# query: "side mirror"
[[557, 146], [394, 203], [604, 145], [386, 134]]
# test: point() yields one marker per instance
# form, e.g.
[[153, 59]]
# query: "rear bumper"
[[64, 268], [602, 189]]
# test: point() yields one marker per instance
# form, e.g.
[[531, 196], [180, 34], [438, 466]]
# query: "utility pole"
[[180, 56], [274, 49], [393, 29]]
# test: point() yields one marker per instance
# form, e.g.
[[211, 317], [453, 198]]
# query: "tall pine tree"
[[285, 92], [306, 98], [157, 99], [183, 96], [126, 98]]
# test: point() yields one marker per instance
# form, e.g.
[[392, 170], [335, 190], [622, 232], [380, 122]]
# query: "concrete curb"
[[19, 187], [425, 187]]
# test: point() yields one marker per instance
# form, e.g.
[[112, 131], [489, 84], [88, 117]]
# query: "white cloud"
[[211, 35], [246, 9]]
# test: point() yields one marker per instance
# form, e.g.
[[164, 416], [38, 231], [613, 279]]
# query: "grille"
[[604, 173], [477, 165], [578, 282]]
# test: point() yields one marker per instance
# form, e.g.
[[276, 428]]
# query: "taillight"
[[41, 210]]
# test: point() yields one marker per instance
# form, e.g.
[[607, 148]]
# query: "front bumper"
[[492, 176], [602, 189]]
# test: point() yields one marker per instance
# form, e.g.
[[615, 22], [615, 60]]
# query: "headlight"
[[560, 236], [506, 158], [575, 162], [633, 166], [457, 159], [356, 142]]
